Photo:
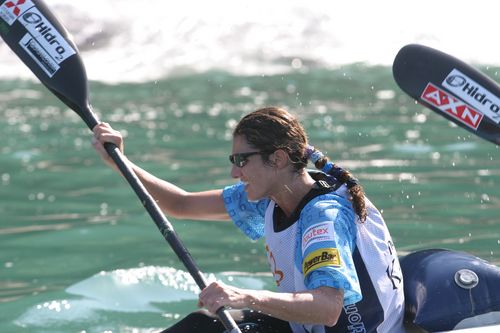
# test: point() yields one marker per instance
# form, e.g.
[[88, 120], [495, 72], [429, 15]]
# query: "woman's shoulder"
[[329, 200], [327, 206]]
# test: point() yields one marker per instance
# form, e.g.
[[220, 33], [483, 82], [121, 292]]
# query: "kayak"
[[449, 290]]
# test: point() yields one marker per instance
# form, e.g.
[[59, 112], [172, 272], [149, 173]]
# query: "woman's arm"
[[173, 200], [321, 306], [176, 202]]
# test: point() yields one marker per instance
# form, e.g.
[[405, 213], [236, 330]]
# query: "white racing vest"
[[376, 264]]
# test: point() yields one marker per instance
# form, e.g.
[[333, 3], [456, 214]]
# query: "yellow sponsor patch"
[[321, 258]]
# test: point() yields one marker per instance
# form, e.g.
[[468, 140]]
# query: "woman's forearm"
[[319, 306], [176, 202]]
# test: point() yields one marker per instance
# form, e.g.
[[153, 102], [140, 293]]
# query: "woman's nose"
[[235, 171]]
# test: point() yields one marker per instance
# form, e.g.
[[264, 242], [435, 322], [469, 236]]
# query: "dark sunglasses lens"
[[232, 159], [241, 159], [238, 159]]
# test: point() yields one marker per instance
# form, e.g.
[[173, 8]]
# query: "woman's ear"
[[279, 158]]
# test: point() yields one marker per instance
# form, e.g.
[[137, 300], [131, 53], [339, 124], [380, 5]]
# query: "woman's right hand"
[[103, 133]]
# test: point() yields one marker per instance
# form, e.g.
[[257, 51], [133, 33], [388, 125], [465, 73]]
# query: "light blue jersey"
[[327, 246]]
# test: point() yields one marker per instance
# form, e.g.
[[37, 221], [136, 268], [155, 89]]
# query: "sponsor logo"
[[45, 33], [32, 18], [354, 318], [320, 232], [452, 106], [455, 80], [393, 269], [278, 275], [39, 55], [474, 94], [321, 258], [10, 10], [16, 10]]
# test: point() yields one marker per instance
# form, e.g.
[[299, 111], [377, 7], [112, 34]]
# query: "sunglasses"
[[241, 159]]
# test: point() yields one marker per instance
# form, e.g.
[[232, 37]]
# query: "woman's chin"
[[250, 195]]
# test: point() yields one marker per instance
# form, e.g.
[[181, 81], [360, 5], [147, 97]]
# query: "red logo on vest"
[[452, 106], [16, 10], [278, 275]]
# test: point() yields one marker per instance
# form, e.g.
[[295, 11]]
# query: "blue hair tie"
[[309, 151], [316, 156], [328, 166], [336, 172], [313, 154]]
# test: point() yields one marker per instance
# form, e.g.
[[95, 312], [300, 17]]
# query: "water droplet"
[[296, 63]]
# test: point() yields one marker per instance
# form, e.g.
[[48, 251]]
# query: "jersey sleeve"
[[328, 238], [247, 215]]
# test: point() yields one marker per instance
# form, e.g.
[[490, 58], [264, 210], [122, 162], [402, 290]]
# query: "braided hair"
[[355, 189]]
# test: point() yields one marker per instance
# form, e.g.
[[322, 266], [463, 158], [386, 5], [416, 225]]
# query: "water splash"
[[148, 289]]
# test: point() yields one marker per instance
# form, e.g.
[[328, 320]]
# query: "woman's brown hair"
[[272, 128]]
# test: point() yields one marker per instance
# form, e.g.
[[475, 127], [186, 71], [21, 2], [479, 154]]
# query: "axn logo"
[[452, 106]]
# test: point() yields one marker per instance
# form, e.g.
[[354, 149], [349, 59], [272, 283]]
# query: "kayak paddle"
[[45, 46], [450, 87]]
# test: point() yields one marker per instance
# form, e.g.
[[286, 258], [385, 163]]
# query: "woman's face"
[[255, 174]]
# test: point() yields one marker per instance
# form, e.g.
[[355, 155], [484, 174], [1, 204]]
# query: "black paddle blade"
[[451, 88], [44, 45]]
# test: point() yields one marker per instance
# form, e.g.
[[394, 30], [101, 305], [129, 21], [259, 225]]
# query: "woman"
[[329, 250]]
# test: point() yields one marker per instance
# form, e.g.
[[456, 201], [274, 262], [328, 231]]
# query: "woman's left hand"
[[218, 294]]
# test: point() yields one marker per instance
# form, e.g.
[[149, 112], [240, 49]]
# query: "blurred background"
[[78, 253]]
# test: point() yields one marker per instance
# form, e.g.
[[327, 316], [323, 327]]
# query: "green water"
[[78, 253]]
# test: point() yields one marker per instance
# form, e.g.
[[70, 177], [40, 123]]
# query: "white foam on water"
[[134, 290], [130, 40]]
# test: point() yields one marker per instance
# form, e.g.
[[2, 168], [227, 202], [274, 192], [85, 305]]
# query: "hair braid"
[[355, 189]]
